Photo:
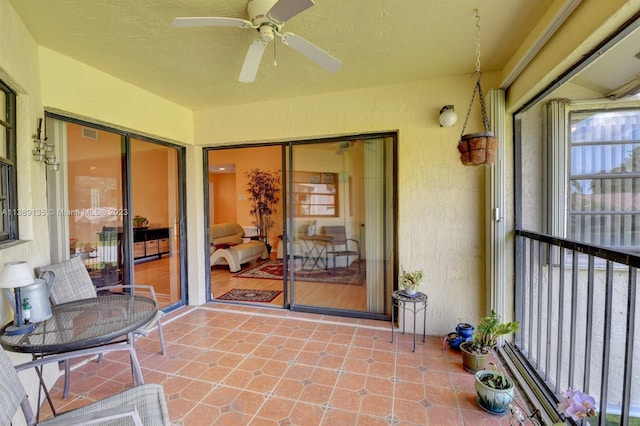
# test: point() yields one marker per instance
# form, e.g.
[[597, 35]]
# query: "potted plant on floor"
[[494, 389], [264, 193], [410, 281], [475, 352]]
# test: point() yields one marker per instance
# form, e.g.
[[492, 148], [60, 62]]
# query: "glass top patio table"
[[84, 327], [84, 324]]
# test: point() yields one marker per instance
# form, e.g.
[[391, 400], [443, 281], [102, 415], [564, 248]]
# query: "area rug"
[[250, 295], [272, 270]]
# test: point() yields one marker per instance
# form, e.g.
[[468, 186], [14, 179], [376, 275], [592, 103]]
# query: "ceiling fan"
[[267, 17]]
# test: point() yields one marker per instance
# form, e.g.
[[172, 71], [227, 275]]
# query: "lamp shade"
[[16, 274]]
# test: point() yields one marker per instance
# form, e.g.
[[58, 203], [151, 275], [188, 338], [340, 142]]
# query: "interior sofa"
[[228, 247]]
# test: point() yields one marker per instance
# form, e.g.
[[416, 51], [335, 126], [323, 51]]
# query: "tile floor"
[[238, 365]]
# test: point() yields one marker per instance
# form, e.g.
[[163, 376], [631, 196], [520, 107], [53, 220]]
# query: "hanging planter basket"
[[478, 148]]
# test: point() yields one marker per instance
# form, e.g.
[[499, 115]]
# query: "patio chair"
[[144, 404], [340, 245], [72, 282]]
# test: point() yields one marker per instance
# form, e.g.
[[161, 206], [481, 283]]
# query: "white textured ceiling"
[[380, 42]]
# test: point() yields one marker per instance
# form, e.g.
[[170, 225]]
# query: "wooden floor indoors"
[[164, 275], [337, 296]]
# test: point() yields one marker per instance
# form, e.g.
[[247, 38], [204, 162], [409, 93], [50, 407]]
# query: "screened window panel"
[[604, 179]]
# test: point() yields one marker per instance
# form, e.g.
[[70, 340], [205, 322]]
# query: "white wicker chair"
[[141, 405], [72, 282]]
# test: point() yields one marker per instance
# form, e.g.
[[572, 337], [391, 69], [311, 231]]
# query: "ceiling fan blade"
[[211, 22], [311, 51], [284, 10], [252, 61]]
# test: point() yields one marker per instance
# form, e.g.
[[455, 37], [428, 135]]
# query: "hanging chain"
[[477, 41], [275, 61], [478, 86]]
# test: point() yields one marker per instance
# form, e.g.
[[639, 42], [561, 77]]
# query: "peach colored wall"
[[246, 159], [225, 196], [92, 160], [150, 184], [151, 166]]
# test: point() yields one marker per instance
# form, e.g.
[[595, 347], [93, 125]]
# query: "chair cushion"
[[72, 281], [226, 233], [149, 400], [11, 390]]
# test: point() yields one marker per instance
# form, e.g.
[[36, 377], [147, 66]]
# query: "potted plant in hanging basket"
[[478, 148], [475, 352], [410, 281], [494, 389], [264, 193]]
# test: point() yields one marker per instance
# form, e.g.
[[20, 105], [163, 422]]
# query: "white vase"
[[410, 291]]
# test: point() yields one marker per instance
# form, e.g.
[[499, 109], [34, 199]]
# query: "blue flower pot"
[[453, 340], [455, 343], [465, 330]]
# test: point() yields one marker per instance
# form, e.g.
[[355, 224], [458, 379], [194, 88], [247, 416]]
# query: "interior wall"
[[441, 202], [150, 185], [225, 197], [266, 158]]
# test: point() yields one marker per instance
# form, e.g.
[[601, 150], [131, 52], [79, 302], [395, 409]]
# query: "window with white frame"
[[8, 173], [594, 170]]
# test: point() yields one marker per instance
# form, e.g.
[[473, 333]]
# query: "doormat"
[[249, 295], [272, 270]]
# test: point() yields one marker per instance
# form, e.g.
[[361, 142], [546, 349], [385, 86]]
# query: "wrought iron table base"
[[419, 303]]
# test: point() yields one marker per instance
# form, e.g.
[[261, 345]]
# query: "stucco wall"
[[441, 202], [19, 68]]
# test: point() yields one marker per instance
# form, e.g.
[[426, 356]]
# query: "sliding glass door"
[[155, 201], [331, 234], [118, 200], [341, 225]]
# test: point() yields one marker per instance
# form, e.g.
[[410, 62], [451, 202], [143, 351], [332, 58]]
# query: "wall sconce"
[[44, 151], [448, 116]]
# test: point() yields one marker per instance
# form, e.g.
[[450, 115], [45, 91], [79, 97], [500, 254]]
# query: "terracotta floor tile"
[[289, 388], [306, 414], [316, 393], [239, 365], [346, 400], [339, 417], [376, 405], [408, 412], [276, 409], [351, 381]]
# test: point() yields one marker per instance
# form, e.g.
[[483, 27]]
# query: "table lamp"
[[16, 275]]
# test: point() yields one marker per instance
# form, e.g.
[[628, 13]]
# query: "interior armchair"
[[72, 282], [141, 405], [341, 246]]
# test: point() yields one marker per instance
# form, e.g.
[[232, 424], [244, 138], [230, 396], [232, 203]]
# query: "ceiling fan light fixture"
[[266, 33]]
